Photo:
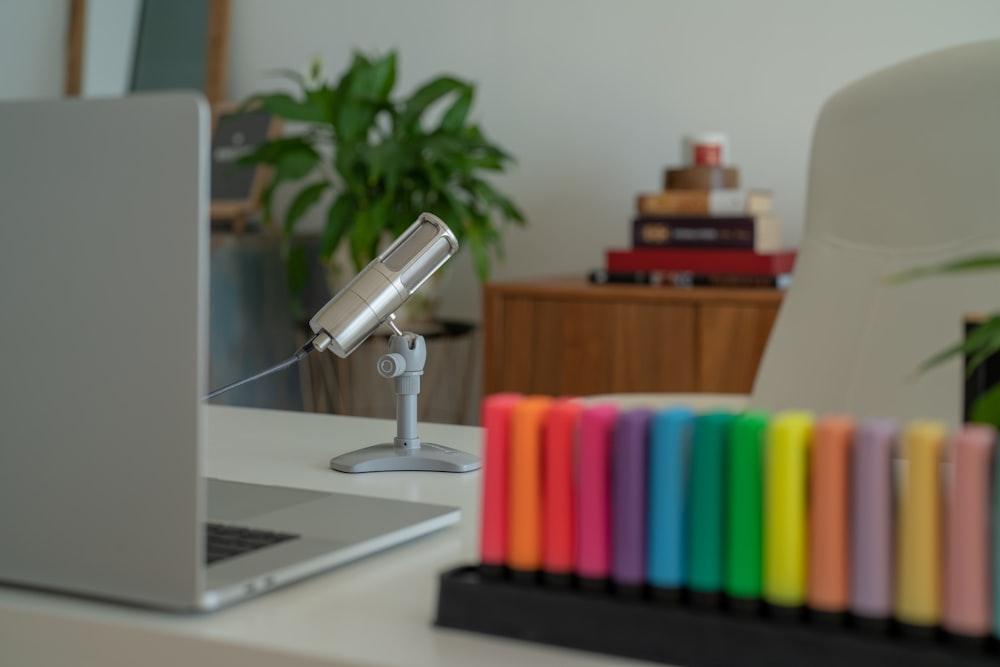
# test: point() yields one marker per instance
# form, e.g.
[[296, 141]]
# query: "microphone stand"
[[404, 363]]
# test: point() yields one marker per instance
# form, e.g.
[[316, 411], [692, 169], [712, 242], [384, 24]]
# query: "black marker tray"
[[680, 633]]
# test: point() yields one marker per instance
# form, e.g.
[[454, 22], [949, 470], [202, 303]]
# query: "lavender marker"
[[872, 524]]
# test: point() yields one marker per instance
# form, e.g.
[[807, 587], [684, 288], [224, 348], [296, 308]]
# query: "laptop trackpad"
[[237, 501]]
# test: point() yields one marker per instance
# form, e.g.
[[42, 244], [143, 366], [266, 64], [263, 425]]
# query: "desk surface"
[[377, 611]]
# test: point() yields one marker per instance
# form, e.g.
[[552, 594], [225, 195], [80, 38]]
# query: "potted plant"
[[373, 162]]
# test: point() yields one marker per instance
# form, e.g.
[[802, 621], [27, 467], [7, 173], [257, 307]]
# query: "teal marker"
[[744, 511], [707, 497]]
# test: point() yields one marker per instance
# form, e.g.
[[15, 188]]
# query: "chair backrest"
[[905, 172]]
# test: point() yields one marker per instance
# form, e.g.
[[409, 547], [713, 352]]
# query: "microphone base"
[[387, 457]]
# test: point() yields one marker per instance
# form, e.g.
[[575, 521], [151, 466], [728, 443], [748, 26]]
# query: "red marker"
[[495, 416], [593, 555], [559, 489]]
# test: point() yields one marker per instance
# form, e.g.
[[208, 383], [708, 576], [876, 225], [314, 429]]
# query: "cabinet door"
[[731, 340], [654, 347], [549, 346]]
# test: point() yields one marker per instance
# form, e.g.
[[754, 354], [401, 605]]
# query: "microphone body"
[[355, 312]]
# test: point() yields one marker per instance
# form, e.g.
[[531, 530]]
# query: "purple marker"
[[871, 523], [628, 499]]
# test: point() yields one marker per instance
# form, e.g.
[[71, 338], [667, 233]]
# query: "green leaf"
[[266, 198], [270, 152], [985, 339], [338, 220], [986, 408], [387, 160], [285, 106], [362, 237], [427, 95], [305, 200], [383, 77], [478, 143], [971, 264], [486, 192], [295, 163], [977, 339], [354, 118], [325, 98], [454, 118]]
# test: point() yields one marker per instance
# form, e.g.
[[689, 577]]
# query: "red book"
[[697, 260]]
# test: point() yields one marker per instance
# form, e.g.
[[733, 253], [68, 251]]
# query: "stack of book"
[[702, 229]]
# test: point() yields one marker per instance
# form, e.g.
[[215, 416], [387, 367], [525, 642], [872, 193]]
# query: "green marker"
[[706, 493], [744, 500]]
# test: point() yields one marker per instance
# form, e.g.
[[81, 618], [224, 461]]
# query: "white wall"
[[592, 96], [32, 37]]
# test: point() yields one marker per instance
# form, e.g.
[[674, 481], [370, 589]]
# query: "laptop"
[[104, 259]]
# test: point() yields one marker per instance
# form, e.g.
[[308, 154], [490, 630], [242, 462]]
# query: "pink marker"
[[968, 604], [593, 534]]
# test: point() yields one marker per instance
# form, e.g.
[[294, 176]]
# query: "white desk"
[[378, 611]]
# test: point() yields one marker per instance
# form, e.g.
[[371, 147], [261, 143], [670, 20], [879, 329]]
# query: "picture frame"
[[236, 189], [128, 52]]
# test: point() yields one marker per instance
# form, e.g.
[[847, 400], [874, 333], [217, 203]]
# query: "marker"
[[744, 510], [495, 416], [871, 523], [785, 510], [593, 534], [558, 490], [918, 531], [669, 452], [706, 495], [628, 500], [995, 525], [828, 589], [968, 599], [524, 541]]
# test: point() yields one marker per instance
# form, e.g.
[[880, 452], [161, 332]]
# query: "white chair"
[[905, 172]]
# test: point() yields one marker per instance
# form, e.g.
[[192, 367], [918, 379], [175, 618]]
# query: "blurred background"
[[590, 97]]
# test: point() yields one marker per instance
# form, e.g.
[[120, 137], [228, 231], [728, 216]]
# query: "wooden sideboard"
[[566, 336]]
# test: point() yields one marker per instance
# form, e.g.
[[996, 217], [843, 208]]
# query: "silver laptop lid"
[[103, 344]]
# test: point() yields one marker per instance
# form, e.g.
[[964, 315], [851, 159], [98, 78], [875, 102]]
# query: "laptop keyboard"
[[223, 541]]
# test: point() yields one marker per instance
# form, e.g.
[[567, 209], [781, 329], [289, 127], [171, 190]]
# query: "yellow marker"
[[786, 508], [918, 537]]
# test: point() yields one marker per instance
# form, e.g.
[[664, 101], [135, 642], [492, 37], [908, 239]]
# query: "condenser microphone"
[[356, 311]]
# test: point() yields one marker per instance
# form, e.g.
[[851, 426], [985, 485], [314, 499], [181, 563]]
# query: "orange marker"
[[496, 411], [918, 540], [558, 489], [524, 537], [829, 515], [968, 603]]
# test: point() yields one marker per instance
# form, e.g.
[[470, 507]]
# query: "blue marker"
[[669, 452]]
